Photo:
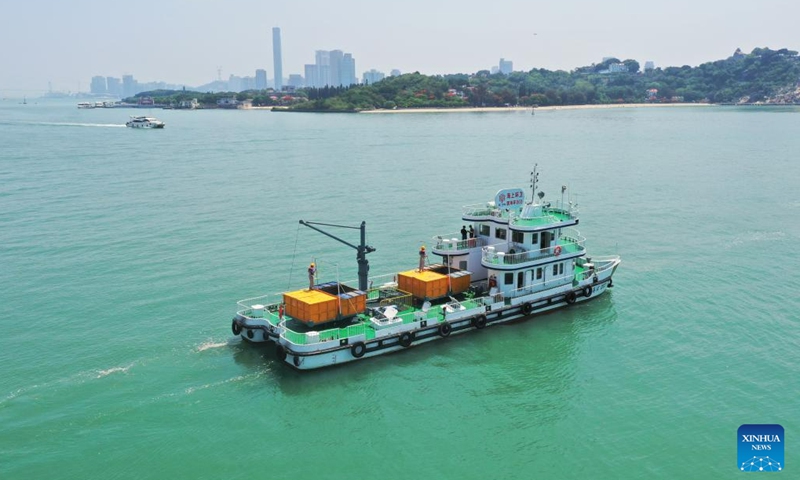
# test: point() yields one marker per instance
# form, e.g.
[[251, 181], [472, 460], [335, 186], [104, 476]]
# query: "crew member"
[[463, 232], [422, 257], [312, 273]]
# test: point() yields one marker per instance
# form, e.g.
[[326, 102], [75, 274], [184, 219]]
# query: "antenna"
[[534, 182]]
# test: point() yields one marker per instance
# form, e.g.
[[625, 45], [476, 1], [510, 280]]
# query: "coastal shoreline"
[[548, 108]]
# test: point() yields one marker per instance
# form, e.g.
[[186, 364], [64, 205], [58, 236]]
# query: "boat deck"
[[550, 217], [298, 334]]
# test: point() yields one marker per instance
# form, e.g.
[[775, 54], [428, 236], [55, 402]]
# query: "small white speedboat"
[[144, 122]]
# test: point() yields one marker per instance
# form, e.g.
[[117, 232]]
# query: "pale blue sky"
[[182, 41]]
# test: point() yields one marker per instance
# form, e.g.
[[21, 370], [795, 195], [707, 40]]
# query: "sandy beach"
[[523, 109]]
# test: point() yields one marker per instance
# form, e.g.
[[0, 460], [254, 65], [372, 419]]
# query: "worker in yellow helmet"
[[422, 257], [312, 273]]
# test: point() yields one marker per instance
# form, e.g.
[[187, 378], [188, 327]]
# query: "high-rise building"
[[331, 68], [98, 85], [113, 86], [348, 70], [312, 79], [295, 80], [506, 66], [276, 57], [129, 87], [373, 76], [261, 79], [649, 65], [323, 62], [395, 73]]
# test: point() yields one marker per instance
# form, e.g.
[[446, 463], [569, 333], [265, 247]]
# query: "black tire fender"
[[527, 308], [479, 322], [358, 349], [570, 297], [587, 291], [445, 329], [280, 353], [236, 328], [406, 339]]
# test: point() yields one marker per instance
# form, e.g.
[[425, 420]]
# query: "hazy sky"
[[66, 42]]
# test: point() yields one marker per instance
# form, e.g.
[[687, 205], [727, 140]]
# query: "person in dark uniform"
[[471, 232], [463, 232]]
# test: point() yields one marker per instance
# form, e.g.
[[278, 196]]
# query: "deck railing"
[[516, 254], [454, 242]]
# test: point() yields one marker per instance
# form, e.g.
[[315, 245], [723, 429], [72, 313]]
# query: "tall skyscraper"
[[98, 85], [312, 78], [276, 57], [261, 79], [348, 70], [114, 86]]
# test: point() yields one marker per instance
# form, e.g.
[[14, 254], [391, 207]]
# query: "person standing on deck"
[[422, 257], [471, 232], [312, 273], [463, 232]]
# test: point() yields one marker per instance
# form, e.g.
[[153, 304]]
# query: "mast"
[[534, 182], [362, 249]]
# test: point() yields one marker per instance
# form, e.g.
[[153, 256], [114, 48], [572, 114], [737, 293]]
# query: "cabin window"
[[518, 237], [534, 238], [483, 230], [552, 236], [555, 269], [500, 233], [462, 265], [509, 279], [539, 273], [561, 268]]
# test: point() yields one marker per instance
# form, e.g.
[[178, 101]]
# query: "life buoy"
[[570, 297], [405, 339], [358, 349], [445, 329], [479, 322], [249, 334], [587, 292], [236, 328], [527, 308], [557, 251], [280, 353]]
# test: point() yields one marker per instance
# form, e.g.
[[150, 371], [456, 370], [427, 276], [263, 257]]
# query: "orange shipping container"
[[425, 284]]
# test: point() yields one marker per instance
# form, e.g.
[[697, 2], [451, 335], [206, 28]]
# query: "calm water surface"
[[123, 254]]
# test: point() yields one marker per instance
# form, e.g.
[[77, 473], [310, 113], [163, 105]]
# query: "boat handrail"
[[564, 279], [247, 303], [567, 244], [484, 210], [445, 242]]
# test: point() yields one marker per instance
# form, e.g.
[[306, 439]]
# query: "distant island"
[[763, 76]]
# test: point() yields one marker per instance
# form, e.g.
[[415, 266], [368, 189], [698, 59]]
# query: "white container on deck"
[[258, 310]]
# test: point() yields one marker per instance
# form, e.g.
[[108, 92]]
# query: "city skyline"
[[78, 40]]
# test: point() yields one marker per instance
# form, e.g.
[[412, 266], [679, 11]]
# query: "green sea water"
[[123, 253]]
